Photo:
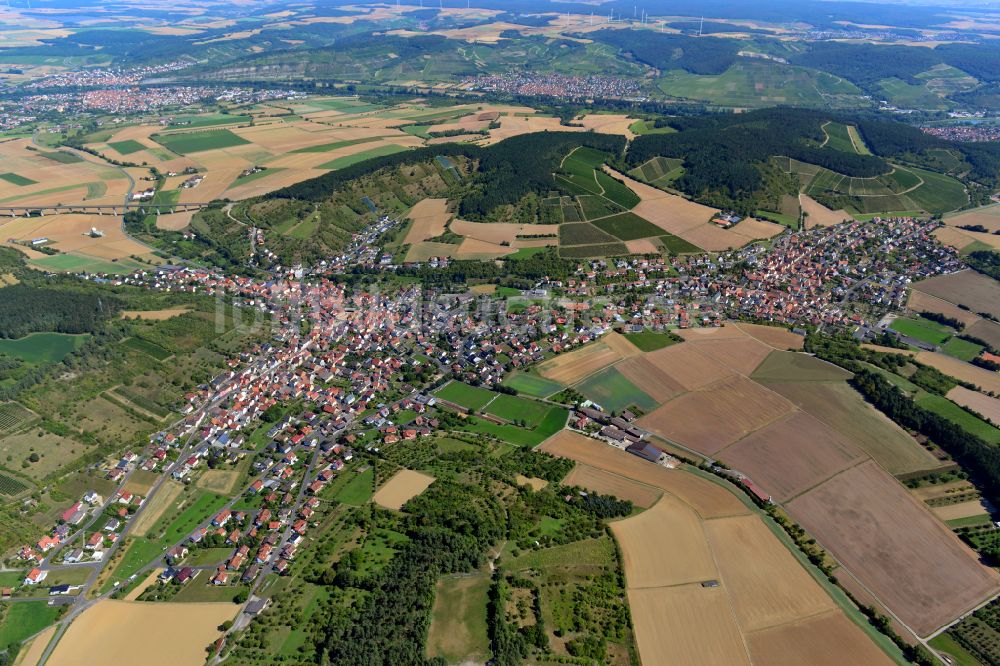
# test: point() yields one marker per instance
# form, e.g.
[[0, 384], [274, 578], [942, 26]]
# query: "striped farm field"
[[472, 398]]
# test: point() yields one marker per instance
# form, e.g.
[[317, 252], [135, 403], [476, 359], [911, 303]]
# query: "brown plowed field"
[[570, 368], [654, 382], [686, 625], [767, 584], [665, 546], [830, 639], [978, 292], [687, 367], [987, 330], [987, 216], [712, 418], [606, 483], [792, 455], [911, 561], [707, 498], [922, 302], [842, 408]]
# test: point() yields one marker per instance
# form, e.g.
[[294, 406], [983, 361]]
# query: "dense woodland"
[[672, 51], [25, 309]]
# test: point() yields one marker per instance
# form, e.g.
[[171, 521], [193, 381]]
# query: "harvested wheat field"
[[174, 221], [429, 219], [707, 498], [570, 368], [656, 383], [427, 249], [961, 238], [606, 483], [987, 380], [401, 488], [689, 624], [70, 233], [499, 232], [665, 546], [154, 315], [895, 547], [173, 634], [642, 246], [987, 216], [792, 455], [471, 248], [686, 366], [961, 510], [977, 402], [620, 344], [974, 290], [841, 407], [739, 355], [170, 491], [714, 417], [818, 215], [778, 337], [829, 639], [767, 584]]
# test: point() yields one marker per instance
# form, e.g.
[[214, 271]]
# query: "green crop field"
[[472, 398], [196, 142], [922, 329], [458, 631], [628, 226], [348, 160], [359, 488], [514, 409], [617, 191], [210, 120], [939, 193], [43, 347], [649, 341], [126, 147], [949, 410], [659, 171], [553, 422], [594, 206], [839, 137], [327, 147], [24, 619], [640, 127], [61, 156], [15, 179], [533, 385], [962, 349], [593, 251], [583, 234], [612, 391], [148, 348], [678, 245]]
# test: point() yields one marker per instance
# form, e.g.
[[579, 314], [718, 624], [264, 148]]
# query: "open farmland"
[[985, 379], [35, 178], [977, 402], [839, 406], [895, 547], [70, 233], [709, 419], [572, 367], [607, 483], [173, 634], [701, 584], [792, 455], [818, 215], [974, 290], [987, 216], [401, 488], [429, 219]]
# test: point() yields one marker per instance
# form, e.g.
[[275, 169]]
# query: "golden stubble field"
[[154, 634], [401, 488], [86, 181]]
